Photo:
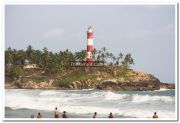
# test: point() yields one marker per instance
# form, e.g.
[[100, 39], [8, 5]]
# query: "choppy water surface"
[[21, 103]]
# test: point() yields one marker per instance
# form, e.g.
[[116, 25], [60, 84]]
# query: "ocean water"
[[22, 103]]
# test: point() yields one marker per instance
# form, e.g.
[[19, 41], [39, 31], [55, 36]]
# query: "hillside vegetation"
[[57, 65]]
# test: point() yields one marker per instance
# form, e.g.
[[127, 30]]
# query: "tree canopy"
[[57, 63]]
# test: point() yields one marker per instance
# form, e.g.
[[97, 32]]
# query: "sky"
[[145, 31]]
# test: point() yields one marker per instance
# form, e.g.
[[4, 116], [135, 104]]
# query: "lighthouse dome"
[[90, 29]]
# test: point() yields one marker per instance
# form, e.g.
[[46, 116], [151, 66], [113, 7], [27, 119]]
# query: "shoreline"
[[162, 86]]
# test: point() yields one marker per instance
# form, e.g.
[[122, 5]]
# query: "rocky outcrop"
[[135, 81], [167, 85], [142, 77], [35, 85], [30, 85], [80, 84], [141, 86], [139, 81], [10, 86]]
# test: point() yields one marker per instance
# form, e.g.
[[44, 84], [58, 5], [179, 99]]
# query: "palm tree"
[[120, 56], [104, 49], [45, 56], [107, 56], [38, 57], [128, 60], [110, 56], [99, 55], [94, 53], [82, 55], [9, 56], [103, 54], [29, 51], [21, 55], [8, 59], [113, 58]]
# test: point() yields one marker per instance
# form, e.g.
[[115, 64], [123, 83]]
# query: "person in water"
[[32, 116], [155, 115], [39, 115], [56, 113], [110, 115], [64, 114], [95, 113]]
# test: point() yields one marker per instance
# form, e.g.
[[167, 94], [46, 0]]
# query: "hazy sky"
[[145, 31]]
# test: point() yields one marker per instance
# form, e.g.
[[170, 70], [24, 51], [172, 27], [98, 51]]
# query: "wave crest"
[[148, 99]]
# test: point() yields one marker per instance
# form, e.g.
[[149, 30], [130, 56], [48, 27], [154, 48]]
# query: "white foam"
[[146, 113], [89, 89], [113, 96], [48, 92], [108, 95], [163, 89], [88, 109], [102, 102], [146, 98]]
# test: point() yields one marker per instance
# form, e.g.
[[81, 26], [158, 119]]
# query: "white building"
[[30, 66]]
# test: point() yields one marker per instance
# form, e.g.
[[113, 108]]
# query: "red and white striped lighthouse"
[[89, 45]]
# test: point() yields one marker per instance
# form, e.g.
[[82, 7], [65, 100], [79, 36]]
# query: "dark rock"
[[80, 84], [167, 85], [152, 84]]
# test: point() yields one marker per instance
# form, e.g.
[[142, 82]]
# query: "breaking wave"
[[126, 104], [148, 99]]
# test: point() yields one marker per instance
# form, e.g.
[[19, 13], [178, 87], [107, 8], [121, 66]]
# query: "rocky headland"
[[136, 81]]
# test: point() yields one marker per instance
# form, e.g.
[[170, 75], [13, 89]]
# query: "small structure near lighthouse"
[[90, 46]]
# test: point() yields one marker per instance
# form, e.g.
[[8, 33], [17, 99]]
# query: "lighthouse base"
[[89, 60]]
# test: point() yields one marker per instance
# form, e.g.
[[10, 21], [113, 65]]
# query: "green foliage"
[[39, 78], [76, 76], [124, 73], [16, 71], [57, 64], [128, 60], [8, 79], [25, 79]]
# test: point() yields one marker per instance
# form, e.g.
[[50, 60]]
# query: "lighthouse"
[[89, 45]]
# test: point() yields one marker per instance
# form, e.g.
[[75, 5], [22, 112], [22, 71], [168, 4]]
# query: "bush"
[[16, 71], [39, 78], [75, 77]]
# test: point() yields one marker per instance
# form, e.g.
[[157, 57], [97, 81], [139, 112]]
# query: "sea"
[[22, 103]]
